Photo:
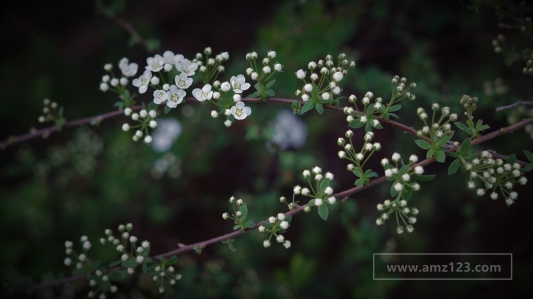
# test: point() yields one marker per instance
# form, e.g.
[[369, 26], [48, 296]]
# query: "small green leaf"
[[319, 108], [115, 263], [440, 156], [254, 95], [360, 182], [423, 144], [118, 275], [249, 224], [270, 83], [463, 127], [174, 259], [167, 109], [270, 92], [394, 108], [244, 211], [454, 166], [130, 263], [443, 140], [529, 155], [323, 211], [307, 107], [465, 147]]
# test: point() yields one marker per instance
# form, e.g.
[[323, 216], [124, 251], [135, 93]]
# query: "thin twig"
[[514, 105]]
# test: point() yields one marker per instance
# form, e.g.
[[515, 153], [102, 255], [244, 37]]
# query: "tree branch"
[[514, 105], [298, 209]]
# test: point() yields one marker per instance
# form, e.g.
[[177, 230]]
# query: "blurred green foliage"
[[82, 181]]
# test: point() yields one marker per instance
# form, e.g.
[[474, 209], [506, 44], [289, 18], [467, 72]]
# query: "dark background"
[[84, 180]]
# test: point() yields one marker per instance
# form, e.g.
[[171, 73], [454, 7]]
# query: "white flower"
[[278, 67], [308, 87], [239, 83], [261, 228], [329, 175], [271, 54], [142, 82], [203, 94], [155, 64], [318, 202], [287, 244], [331, 200], [266, 243], [284, 225], [127, 69], [280, 238], [182, 81], [225, 86], [300, 74], [160, 96], [171, 59], [413, 158], [240, 111], [325, 96], [419, 170], [398, 187], [395, 156], [328, 190], [338, 76], [175, 96], [266, 69], [281, 216], [186, 67]]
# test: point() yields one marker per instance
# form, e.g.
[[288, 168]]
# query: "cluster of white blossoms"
[[358, 158], [111, 81], [399, 208], [145, 120], [365, 117], [402, 187], [127, 246], [165, 273], [49, 111], [495, 177], [268, 68], [276, 226], [229, 95], [321, 192], [98, 281], [325, 83], [437, 127]]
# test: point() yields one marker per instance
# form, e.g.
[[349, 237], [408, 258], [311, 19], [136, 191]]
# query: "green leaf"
[[529, 155], [356, 124], [443, 140], [322, 186], [254, 95], [174, 259], [249, 224], [319, 108], [465, 147], [454, 166], [130, 263], [323, 211], [270, 92], [394, 108], [423, 144], [440, 156], [270, 83], [511, 159], [244, 211], [307, 107], [198, 249], [360, 182], [115, 263], [167, 109], [118, 276], [230, 244], [463, 127]]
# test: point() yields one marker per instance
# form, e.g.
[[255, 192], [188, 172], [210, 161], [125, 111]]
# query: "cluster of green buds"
[[276, 226], [358, 158], [146, 121], [262, 73], [209, 67]]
